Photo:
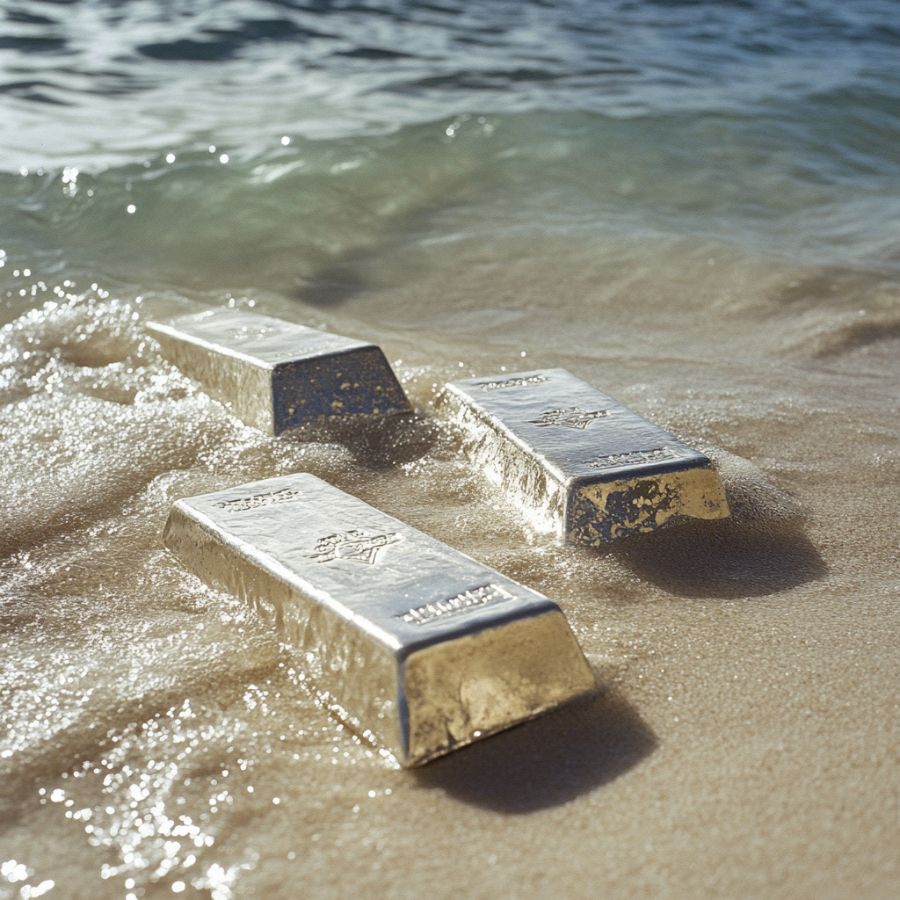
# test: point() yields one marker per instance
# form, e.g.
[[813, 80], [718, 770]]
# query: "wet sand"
[[156, 737]]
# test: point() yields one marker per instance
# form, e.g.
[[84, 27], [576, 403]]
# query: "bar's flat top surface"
[[577, 431], [257, 338], [395, 582]]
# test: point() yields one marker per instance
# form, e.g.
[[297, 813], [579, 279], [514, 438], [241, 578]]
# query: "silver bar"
[[578, 463], [276, 375], [419, 648]]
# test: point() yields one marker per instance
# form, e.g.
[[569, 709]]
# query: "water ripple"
[[341, 67]]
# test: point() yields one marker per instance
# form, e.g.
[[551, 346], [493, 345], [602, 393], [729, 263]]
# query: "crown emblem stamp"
[[571, 417], [359, 545]]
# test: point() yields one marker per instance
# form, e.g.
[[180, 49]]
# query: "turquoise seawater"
[[277, 144]]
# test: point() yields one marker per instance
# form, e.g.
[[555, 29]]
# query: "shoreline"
[[744, 738]]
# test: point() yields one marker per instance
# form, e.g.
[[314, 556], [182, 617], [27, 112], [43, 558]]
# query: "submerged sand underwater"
[[155, 737]]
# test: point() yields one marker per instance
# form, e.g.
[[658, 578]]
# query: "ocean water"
[[268, 143], [693, 205]]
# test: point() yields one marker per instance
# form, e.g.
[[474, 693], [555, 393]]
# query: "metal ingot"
[[276, 375], [578, 463], [419, 648]]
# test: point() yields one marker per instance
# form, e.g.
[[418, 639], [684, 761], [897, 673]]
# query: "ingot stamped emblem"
[[572, 417], [353, 544]]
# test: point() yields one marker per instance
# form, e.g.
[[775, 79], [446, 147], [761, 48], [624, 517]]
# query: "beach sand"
[[743, 741]]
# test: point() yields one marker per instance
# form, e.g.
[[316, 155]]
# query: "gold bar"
[[276, 375], [578, 463], [417, 647]]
